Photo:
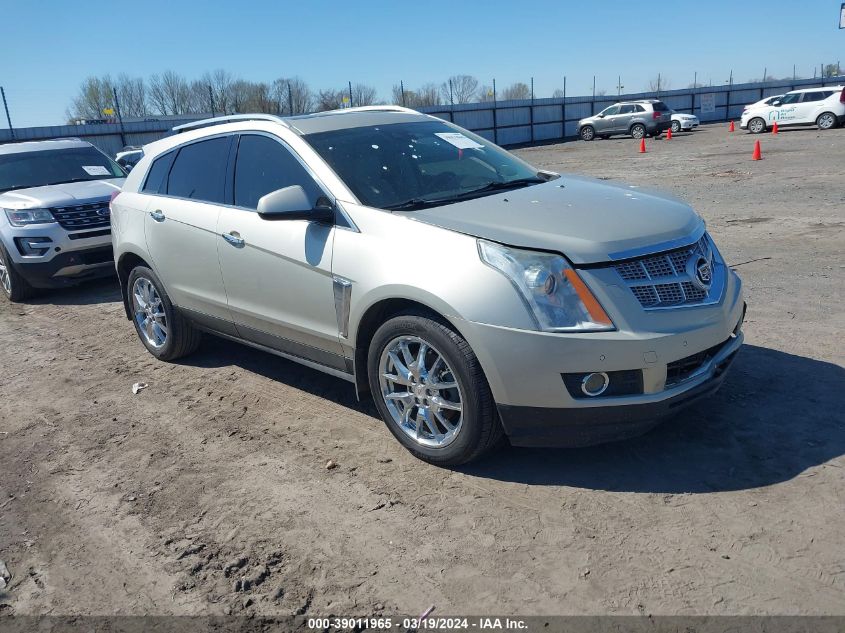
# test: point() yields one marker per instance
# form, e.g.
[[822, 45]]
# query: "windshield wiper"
[[422, 203], [64, 182]]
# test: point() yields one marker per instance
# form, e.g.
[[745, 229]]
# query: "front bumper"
[[688, 124], [527, 371], [70, 257]]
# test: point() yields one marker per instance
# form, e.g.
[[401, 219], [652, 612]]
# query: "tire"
[[180, 336], [638, 131], [448, 360], [826, 121], [756, 125], [587, 133], [15, 288], [676, 127]]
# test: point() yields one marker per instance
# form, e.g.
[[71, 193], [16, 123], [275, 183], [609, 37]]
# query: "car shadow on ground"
[[776, 416], [102, 290]]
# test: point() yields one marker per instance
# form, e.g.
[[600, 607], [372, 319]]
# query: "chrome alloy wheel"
[[149, 312], [826, 121], [421, 391], [5, 279]]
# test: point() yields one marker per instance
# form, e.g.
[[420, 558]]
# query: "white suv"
[[824, 107]]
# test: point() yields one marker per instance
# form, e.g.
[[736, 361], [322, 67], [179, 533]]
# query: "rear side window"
[[265, 165], [199, 171], [659, 106], [157, 175], [626, 109], [813, 96], [639, 108]]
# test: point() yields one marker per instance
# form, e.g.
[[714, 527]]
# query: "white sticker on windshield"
[[458, 140], [96, 170]]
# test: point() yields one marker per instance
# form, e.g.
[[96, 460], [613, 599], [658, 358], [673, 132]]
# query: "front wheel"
[[15, 288], [826, 121], [163, 330], [431, 391], [587, 133], [638, 131], [676, 127], [756, 125]]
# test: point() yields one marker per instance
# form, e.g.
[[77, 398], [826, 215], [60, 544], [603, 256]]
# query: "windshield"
[[54, 166], [414, 165]]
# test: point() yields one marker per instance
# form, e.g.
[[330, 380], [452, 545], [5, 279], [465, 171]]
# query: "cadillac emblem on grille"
[[700, 271]]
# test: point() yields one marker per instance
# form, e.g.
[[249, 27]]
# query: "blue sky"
[[49, 47]]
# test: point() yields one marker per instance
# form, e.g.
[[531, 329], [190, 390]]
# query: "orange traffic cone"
[[731, 128], [669, 134], [642, 146], [775, 128], [757, 155]]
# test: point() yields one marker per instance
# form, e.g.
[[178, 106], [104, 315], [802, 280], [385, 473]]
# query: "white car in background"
[[685, 122], [823, 107]]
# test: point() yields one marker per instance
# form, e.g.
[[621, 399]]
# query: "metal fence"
[[504, 122]]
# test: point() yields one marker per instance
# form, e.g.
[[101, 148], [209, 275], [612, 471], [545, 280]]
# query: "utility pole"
[[211, 99], [350, 95], [8, 118], [451, 94], [402, 90], [495, 116], [119, 116], [619, 85]]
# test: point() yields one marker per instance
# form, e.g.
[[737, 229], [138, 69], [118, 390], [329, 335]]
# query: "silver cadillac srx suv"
[[54, 214], [473, 295]]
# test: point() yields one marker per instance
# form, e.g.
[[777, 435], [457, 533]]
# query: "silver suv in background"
[[54, 214], [473, 295], [640, 118]]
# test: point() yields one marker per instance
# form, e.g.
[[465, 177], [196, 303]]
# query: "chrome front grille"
[[78, 217], [664, 280]]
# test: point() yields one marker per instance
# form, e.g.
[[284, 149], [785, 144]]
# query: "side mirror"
[[600, 115], [128, 167], [775, 103], [292, 203]]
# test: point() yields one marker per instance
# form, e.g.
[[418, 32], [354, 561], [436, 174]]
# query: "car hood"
[[587, 220], [58, 195]]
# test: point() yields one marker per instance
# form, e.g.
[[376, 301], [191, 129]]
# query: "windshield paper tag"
[[458, 140], [96, 170]]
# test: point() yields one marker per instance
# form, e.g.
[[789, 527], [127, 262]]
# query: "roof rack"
[[231, 118]]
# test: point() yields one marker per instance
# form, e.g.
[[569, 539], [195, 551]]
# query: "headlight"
[[22, 217], [554, 293]]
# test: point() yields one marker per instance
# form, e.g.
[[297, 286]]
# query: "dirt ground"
[[208, 492]]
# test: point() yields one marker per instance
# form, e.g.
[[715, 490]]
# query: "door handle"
[[157, 215], [234, 239]]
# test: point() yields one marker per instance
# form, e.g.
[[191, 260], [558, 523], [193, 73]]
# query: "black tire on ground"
[[587, 133], [480, 429], [826, 121], [604, 137], [15, 288], [638, 131], [757, 125], [182, 337], [676, 127]]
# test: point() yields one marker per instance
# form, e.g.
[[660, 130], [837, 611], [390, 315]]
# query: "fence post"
[[290, 100], [350, 95], [8, 118], [495, 117], [531, 111], [563, 111], [119, 117], [593, 101], [402, 90]]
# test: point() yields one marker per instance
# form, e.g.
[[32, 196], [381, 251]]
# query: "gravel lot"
[[208, 492]]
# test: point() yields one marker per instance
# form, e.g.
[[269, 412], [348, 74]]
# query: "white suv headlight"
[[555, 295], [22, 217]]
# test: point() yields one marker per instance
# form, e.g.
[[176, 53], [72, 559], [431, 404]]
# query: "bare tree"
[[656, 84], [330, 99], [221, 89], [132, 94], [292, 92], [363, 95], [426, 95], [169, 93], [831, 70], [485, 93], [558, 94], [459, 89], [518, 90], [93, 98]]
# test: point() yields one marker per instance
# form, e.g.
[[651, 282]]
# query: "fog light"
[[29, 246], [595, 384]]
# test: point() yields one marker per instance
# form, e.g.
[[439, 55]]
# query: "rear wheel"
[[587, 133], [676, 127], [826, 121], [431, 391], [756, 125], [163, 330], [15, 288], [638, 130]]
